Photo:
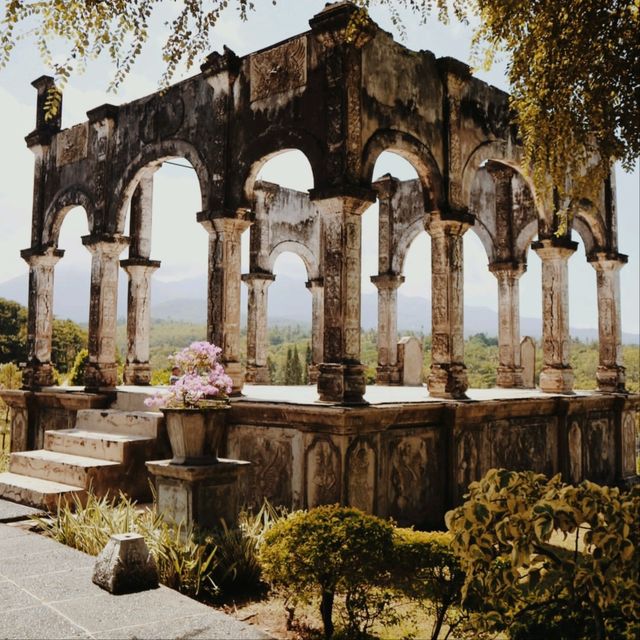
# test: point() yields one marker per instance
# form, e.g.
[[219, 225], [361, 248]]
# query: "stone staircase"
[[105, 452]]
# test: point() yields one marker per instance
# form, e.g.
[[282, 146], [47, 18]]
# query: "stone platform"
[[407, 455]]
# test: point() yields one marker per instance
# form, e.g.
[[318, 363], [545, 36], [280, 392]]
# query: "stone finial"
[[218, 62], [125, 565]]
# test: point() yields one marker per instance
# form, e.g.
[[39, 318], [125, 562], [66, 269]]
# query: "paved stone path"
[[46, 592]]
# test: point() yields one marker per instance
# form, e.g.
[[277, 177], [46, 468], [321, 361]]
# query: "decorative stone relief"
[[71, 144], [629, 439], [408, 479], [599, 452], [575, 453], [280, 69], [521, 444], [361, 476], [468, 460], [163, 117], [323, 473]]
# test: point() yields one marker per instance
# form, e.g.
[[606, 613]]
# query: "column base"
[[100, 375], [554, 380], [235, 371], [448, 381], [38, 374], [314, 373], [510, 378], [257, 374], [137, 373], [197, 495], [388, 374], [611, 379], [341, 383]]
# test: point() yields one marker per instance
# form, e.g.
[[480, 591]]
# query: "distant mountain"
[[184, 301]]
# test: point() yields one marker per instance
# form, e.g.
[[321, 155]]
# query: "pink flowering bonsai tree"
[[203, 383]]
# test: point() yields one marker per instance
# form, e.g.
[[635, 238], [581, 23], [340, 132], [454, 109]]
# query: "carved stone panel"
[[521, 444], [162, 118], [599, 446], [322, 470], [629, 440], [468, 460], [71, 145], [575, 452], [269, 475], [414, 489], [280, 69], [19, 429], [361, 475]]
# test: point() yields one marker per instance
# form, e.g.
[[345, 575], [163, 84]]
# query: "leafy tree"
[[68, 339], [529, 586], [76, 376], [574, 65], [13, 331]]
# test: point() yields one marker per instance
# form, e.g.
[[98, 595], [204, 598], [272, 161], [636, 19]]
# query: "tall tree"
[[13, 331], [574, 65]]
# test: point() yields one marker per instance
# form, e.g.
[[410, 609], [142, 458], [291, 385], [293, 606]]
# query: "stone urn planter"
[[195, 434]]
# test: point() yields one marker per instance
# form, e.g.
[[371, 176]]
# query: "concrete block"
[[125, 565]]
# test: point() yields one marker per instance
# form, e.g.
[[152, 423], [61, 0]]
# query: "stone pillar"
[[101, 370], [257, 285], [39, 370], [556, 375], [316, 287], [137, 369], [611, 372], [448, 375], [223, 304], [510, 366], [341, 375], [141, 216], [387, 371]]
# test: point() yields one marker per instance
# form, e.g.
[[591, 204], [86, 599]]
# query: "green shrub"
[[332, 551], [425, 569], [530, 586]]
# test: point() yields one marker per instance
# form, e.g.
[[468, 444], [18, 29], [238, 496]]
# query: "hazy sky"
[[182, 244]]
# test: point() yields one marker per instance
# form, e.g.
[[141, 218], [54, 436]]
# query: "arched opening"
[[281, 256], [71, 287], [396, 303], [162, 227]]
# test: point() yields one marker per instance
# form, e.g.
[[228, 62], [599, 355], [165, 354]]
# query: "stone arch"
[[275, 142], [403, 244], [412, 150], [588, 224], [62, 203], [148, 160], [524, 239], [486, 238], [303, 252]]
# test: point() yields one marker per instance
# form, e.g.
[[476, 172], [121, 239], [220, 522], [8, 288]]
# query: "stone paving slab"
[[46, 592], [12, 511]]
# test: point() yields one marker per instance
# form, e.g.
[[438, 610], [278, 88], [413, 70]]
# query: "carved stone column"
[[557, 375], [448, 376], [258, 286], [223, 304], [510, 367], [341, 375], [137, 369], [387, 284], [316, 287], [611, 372], [141, 216], [101, 370], [39, 370]]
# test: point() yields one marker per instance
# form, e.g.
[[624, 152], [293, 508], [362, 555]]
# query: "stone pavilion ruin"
[[341, 100]]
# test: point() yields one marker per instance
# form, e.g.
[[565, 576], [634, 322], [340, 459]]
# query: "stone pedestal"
[[137, 370], [448, 375], [341, 375], [528, 362], [39, 370], [101, 370], [257, 325], [388, 371], [197, 495], [556, 375], [509, 374], [223, 300], [611, 372], [410, 361]]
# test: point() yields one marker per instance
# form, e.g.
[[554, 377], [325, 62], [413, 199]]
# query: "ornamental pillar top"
[[603, 261], [387, 281]]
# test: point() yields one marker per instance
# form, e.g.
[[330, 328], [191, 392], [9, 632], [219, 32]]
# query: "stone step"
[[36, 492], [139, 423], [78, 471], [117, 447]]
